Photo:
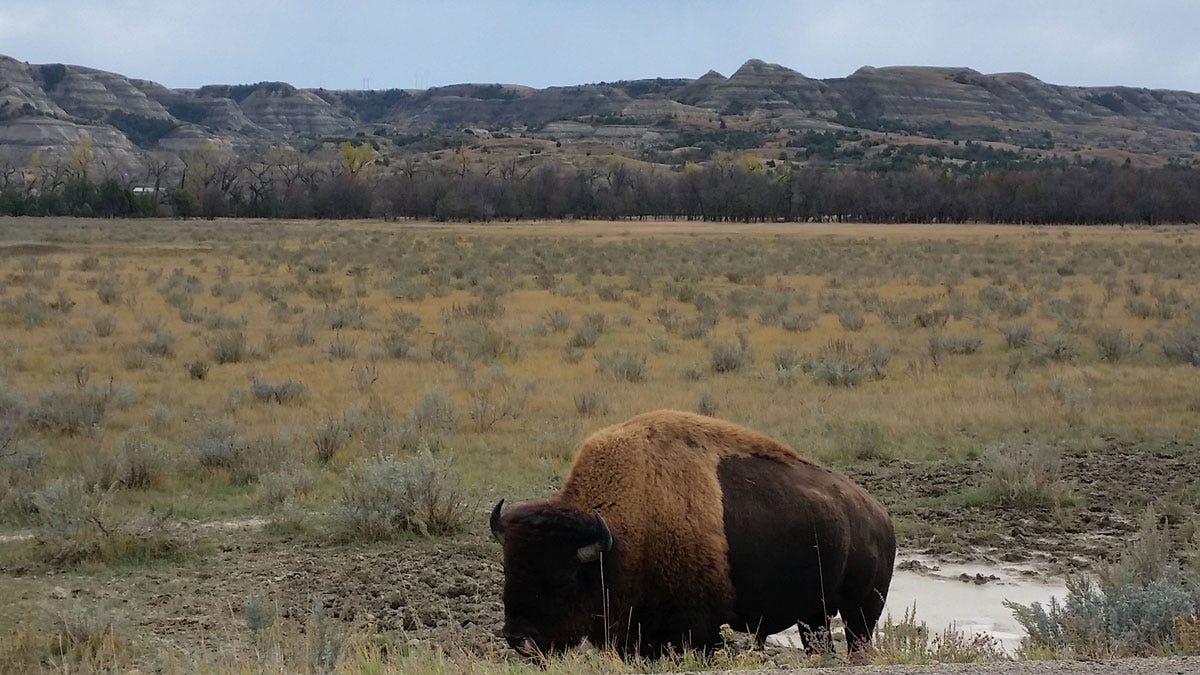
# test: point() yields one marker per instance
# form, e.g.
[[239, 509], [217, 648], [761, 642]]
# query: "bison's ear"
[[602, 545], [494, 521]]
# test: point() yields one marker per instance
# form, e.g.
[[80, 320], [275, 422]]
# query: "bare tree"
[[155, 168]]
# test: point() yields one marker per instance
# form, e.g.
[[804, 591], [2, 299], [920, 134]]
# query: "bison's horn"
[[494, 521], [603, 544]]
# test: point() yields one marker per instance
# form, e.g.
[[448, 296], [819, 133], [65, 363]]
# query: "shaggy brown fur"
[[657, 481]]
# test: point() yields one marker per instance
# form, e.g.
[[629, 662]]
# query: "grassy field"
[[219, 371]]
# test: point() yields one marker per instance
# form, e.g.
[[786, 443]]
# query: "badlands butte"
[[764, 108]]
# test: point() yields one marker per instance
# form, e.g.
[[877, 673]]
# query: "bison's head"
[[558, 562]]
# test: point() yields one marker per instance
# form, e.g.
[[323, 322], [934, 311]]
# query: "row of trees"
[[737, 188]]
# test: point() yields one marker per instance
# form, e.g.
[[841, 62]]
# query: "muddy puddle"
[[966, 596]]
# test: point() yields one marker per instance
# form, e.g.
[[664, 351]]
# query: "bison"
[[671, 524]]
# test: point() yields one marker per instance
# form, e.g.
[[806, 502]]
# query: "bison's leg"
[[815, 635], [860, 619]]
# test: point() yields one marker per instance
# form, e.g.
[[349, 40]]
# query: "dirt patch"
[[30, 249], [1114, 485], [447, 591], [443, 592]]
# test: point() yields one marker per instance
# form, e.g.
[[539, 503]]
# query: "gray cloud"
[[341, 44]]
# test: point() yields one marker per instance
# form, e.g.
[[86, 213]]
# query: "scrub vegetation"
[[320, 413]]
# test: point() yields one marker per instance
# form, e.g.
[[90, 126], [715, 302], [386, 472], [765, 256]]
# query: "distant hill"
[[871, 115]]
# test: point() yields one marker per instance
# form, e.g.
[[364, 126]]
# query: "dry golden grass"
[[922, 408], [927, 405]]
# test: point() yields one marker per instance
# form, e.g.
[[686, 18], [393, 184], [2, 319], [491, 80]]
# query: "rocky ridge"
[[49, 108]]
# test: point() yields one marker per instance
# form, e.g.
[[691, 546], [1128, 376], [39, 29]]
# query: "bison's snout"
[[525, 647], [526, 643]]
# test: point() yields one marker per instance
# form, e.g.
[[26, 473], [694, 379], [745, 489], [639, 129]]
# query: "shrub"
[[13, 409], [350, 315], [341, 348], [585, 336], [161, 343], [622, 365], [108, 290], [1184, 346], [696, 327], [707, 405], [197, 370], [229, 347], [668, 317], [405, 323], [729, 358], [303, 335], [75, 340], [610, 292], [324, 290], [591, 404], [1057, 347], [231, 292], [1017, 335], [788, 365], [878, 357], [365, 375], [86, 639], [214, 320], [29, 308], [475, 340], [133, 358], [104, 325], [1114, 345], [910, 642], [277, 487], [22, 472], [1026, 476], [215, 447], [142, 461], [556, 319], [495, 397], [329, 437], [594, 321], [995, 299], [434, 413], [851, 317], [385, 497], [75, 409], [251, 459], [932, 317], [837, 373], [954, 344], [75, 524], [283, 393], [1137, 607], [798, 323], [786, 359], [1140, 309], [396, 345]]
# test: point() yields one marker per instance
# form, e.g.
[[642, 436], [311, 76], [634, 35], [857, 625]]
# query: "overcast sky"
[[395, 43]]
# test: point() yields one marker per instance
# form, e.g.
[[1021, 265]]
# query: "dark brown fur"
[[712, 523]]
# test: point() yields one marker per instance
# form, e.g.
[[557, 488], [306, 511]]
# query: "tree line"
[[728, 188]]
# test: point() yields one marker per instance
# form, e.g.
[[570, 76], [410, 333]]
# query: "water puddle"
[[968, 597]]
